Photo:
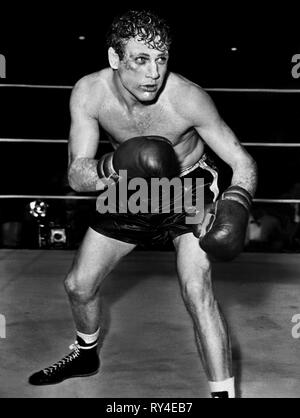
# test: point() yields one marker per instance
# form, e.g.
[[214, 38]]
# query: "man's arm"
[[221, 139], [224, 236], [83, 141]]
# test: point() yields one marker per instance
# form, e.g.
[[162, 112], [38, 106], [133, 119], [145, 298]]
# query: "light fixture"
[[38, 209]]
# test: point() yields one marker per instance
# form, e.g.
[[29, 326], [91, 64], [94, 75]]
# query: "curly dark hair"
[[142, 23]]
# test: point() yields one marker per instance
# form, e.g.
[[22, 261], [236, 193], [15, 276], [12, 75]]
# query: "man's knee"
[[80, 289]]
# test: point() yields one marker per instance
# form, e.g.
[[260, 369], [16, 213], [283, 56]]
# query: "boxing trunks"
[[146, 229]]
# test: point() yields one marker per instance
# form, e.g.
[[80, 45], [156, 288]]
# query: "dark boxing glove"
[[146, 157], [224, 237]]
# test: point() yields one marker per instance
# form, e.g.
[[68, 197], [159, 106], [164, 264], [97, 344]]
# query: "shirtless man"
[[136, 97]]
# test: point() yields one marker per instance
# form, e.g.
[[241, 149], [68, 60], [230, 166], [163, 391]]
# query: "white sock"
[[223, 386], [89, 339]]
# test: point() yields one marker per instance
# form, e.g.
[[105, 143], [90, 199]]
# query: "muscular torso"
[[162, 118]]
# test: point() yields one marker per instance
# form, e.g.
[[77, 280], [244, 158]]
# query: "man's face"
[[142, 70]]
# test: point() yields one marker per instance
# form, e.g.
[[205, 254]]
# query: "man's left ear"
[[113, 58]]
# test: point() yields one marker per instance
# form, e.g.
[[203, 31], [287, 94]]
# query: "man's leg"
[[194, 271], [96, 258]]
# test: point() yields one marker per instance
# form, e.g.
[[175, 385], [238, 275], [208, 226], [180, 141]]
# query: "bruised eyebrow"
[[141, 54], [145, 54]]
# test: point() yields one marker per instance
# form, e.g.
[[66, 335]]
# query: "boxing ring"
[[148, 347]]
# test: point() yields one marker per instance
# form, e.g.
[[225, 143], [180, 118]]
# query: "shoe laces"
[[66, 360]]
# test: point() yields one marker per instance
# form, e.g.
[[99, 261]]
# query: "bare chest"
[[156, 120]]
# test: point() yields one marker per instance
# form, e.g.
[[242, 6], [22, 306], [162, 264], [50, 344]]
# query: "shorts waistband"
[[204, 164]]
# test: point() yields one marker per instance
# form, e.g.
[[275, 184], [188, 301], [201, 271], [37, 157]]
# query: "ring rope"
[[217, 89], [51, 141], [76, 197], [271, 144], [252, 90], [33, 196], [36, 86], [104, 141]]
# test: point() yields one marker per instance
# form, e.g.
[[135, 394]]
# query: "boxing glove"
[[146, 157], [224, 235]]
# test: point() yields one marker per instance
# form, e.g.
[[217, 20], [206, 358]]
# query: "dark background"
[[42, 46]]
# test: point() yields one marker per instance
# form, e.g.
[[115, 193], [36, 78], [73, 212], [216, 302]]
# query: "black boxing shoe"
[[221, 395], [81, 362]]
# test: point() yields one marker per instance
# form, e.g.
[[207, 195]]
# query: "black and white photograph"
[[149, 204]]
